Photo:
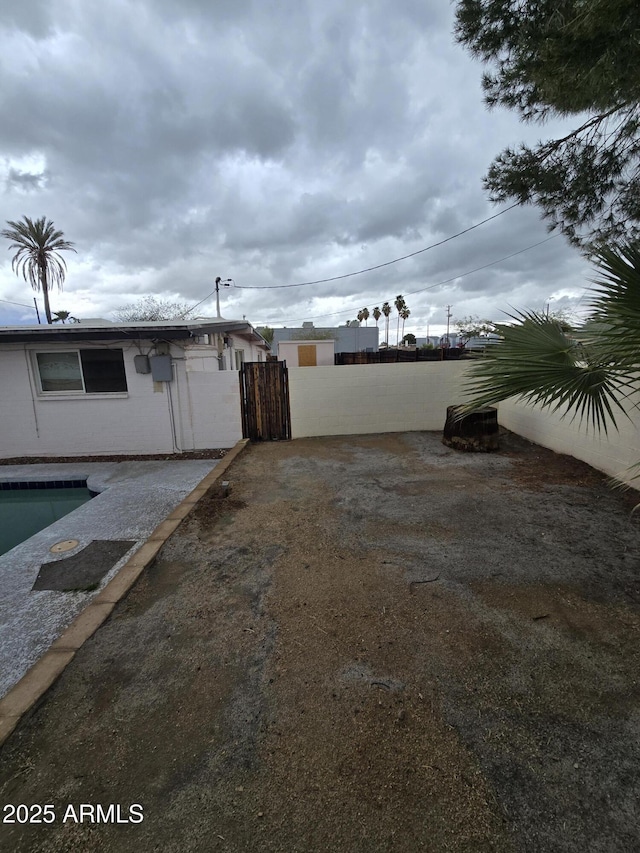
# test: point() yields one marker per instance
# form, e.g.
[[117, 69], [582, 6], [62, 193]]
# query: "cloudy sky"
[[272, 142]]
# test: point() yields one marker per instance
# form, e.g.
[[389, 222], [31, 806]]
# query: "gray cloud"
[[271, 142]]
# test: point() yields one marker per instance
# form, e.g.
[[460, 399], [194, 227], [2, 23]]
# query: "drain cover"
[[67, 545]]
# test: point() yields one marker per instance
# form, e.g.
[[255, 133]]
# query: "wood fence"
[[264, 395], [393, 355]]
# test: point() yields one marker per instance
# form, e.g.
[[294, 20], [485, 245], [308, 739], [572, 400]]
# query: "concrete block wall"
[[396, 397], [370, 398], [210, 409], [613, 453]]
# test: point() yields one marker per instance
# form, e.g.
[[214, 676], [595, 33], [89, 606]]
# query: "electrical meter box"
[[141, 363], [161, 368]]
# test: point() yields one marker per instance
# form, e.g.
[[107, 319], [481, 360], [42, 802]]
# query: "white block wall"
[[612, 454], [209, 398], [369, 398], [152, 417]]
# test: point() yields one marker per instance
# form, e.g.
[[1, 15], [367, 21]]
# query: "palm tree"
[[63, 316], [399, 303], [377, 313], [588, 372], [38, 245], [405, 314], [365, 315], [386, 310]]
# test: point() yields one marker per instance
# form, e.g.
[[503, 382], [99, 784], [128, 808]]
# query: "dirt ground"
[[372, 644]]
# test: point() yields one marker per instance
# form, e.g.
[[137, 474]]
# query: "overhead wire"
[[368, 269], [379, 266], [437, 284], [21, 304]]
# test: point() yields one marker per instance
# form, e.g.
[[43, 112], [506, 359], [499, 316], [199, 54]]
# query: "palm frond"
[[616, 306], [537, 362]]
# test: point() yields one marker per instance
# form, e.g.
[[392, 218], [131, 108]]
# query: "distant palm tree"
[[377, 313], [63, 316], [400, 304], [38, 245], [360, 315], [365, 315], [386, 310], [405, 314]]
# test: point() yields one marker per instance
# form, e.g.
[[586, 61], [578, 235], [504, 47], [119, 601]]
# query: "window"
[[92, 371], [239, 353]]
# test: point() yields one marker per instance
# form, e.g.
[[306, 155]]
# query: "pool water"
[[25, 511]]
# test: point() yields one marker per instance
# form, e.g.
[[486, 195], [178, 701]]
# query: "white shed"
[[307, 353]]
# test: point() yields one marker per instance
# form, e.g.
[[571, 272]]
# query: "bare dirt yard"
[[372, 643]]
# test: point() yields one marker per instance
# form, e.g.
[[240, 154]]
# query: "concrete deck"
[[134, 497]]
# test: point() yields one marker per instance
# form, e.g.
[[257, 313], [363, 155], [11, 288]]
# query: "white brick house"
[[102, 388]]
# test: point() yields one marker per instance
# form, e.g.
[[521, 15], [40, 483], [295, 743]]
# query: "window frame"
[[75, 393]]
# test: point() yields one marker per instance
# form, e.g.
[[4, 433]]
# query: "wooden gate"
[[264, 393]]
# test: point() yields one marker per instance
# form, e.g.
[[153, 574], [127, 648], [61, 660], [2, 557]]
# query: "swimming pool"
[[26, 508]]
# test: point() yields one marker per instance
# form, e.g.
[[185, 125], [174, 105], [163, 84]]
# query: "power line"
[[379, 266], [439, 283], [21, 304]]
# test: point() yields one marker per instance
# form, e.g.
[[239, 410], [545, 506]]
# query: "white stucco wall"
[[199, 409], [369, 398]]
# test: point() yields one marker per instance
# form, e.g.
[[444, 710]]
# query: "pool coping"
[[33, 685]]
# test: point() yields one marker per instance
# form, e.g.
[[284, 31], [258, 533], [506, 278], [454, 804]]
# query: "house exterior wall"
[[199, 409], [249, 349], [369, 398], [288, 351]]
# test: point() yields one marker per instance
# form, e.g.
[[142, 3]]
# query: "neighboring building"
[[345, 338], [439, 340], [307, 353], [482, 341], [96, 387]]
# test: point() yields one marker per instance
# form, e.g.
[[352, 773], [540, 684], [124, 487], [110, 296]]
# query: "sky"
[[270, 142]]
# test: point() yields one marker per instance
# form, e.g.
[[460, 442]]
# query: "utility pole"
[[225, 283], [448, 321]]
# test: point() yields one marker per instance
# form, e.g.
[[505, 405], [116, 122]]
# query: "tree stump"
[[473, 433]]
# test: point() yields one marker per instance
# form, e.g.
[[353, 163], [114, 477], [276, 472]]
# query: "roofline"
[[157, 330]]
